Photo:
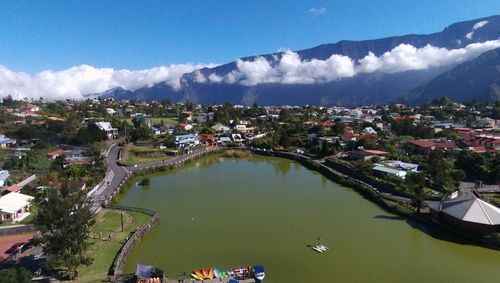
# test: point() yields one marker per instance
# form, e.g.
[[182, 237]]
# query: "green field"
[[132, 154], [103, 250]]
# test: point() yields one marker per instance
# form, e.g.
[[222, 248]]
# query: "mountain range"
[[461, 62]]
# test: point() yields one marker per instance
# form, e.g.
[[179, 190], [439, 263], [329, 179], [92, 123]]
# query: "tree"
[[15, 275], [338, 128], [64, 221], [141, 133], [89, 134], [284, 140], [415, 182]]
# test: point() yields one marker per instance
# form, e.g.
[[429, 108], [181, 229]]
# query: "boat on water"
[[198, 274], [241, 273], [217, 273], [258, 272], [204, 272], [320, 248]]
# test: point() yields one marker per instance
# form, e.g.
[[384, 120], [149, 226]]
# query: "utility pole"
[[121, 217]]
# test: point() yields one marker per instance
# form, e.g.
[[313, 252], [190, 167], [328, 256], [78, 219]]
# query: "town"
[[437, 163]]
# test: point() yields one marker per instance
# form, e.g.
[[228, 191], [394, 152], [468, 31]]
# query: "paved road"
[[114, 176]]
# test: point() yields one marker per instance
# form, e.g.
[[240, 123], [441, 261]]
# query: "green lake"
[[262, 210]]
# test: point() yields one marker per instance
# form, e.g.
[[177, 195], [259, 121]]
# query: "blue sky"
[[40, 35]]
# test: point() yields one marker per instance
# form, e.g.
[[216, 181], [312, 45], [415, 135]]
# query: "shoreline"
[[366, 191]]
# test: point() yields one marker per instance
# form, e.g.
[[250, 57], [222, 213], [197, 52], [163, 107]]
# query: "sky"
[[69, 47], [40, 35]]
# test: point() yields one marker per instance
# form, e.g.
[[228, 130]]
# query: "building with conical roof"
[[465, 210]]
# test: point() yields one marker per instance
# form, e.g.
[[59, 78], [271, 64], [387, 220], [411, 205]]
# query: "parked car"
[[15, 247]]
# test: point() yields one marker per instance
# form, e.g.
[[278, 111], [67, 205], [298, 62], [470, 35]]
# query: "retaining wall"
[[117, 266]]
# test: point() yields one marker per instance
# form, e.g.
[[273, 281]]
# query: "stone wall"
[[117, 267]]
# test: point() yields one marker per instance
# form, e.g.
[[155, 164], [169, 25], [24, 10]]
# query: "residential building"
[[6, 142], [182, 141], [110, 131], [219, 128], [466, 211], [14, 207]]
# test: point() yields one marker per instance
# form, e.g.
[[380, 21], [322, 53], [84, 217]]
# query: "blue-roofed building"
[[6, 142], [182, 141]]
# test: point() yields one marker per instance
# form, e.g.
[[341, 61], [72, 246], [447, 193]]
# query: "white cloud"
[[317, 11], [214, 78], [476, 26], [288, 68], [199, 77], [77, 81], [291, 69]]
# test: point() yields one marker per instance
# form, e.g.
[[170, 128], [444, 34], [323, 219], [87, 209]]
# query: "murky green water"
[[262, 210]]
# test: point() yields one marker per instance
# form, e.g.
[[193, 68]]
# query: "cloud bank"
[[291, 69], [476, 26], [317, 11], [287, 68], [75, 82]]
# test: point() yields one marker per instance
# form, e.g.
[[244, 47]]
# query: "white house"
[[186, 140], [368, 131], [110, 111], [221, 128], [388, 171], [14, 207], [106, 126]]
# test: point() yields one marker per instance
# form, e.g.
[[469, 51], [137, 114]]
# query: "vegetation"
[[102, 247], [15, 275], [64, 220], [145, 182], [236, 153]]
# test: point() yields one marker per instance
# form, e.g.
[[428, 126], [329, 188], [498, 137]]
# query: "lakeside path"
[[116, 173]]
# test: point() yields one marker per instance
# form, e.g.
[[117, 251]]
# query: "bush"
[[145, 182]]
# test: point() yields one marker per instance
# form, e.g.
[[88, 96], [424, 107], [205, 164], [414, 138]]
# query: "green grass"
[[134, 158], [104, 251], [166, 120], [41, 163]]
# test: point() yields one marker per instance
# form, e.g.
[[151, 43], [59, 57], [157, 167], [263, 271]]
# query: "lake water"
[[262, 210]]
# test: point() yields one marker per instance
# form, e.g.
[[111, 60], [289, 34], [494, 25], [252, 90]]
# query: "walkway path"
[[116, 173]]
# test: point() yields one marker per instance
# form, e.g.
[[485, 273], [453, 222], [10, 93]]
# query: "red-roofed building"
[[425, 146], [327, 124], [54, 154], [207, 139], [185, 126]]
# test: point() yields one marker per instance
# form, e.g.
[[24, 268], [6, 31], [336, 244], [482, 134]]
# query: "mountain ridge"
[[371, 88]]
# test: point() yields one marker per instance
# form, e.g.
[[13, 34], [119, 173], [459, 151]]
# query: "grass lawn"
[[104, 251], [166, 120], [41, 163], [132, 154], [155, 120]]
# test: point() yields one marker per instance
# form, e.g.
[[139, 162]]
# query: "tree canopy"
[[64, 220]]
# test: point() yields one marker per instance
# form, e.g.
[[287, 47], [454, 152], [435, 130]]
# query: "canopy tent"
[[144, 271]]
